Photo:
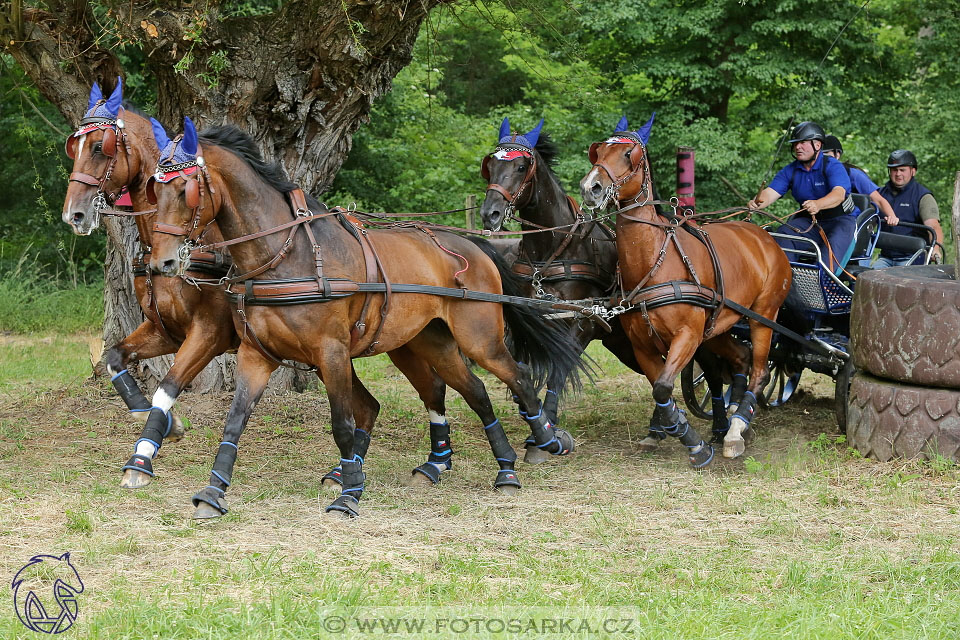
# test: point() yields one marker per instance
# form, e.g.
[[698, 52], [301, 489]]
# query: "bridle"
[[638, 157], [512, 199], [198, 184], [114, 137]]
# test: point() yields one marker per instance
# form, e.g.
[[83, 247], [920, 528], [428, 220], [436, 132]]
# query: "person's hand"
[[937, 256], [892, 220], [811, 206], [756, 203]]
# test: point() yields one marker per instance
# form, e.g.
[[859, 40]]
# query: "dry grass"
[[802, 539]]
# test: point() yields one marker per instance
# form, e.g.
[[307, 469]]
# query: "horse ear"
[[109, 144], [504, 129], [593, 152], [192, 193], [485, 168], [534, 134], [71, 147], [644, 132], [150, 191], [159, 134], [116, 98], [622, 125], [189, 142], [96, 95]]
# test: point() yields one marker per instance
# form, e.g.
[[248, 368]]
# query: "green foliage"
[[725, 78], [33, 300]]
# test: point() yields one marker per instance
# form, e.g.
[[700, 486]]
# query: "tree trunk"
[[301, 80]]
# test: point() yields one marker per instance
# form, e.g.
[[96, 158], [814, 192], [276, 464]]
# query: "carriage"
[[818, 311]]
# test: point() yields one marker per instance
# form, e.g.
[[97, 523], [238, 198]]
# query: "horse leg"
[[147, 341], [436, 346], [253, 374], [666, 414], [712, 370], [336, 371], [197, 350], [366, 410], [737, 355], [740, 434], [432, 391]]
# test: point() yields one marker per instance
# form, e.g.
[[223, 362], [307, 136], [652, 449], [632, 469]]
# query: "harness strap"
[[248, 330]]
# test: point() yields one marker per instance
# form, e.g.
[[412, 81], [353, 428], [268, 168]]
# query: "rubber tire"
[[889, 419], [841, 394], [905, 325], [689, 389]]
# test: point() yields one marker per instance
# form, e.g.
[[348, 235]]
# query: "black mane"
[[240, 143], [129, 106], [547, 148]]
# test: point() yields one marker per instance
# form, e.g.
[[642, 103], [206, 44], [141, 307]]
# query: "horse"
[[574, 257], [114, 150], [679, 277], [196, 324], [332, 297]]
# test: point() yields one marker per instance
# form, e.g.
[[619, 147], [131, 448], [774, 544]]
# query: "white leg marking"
[[111, 371], [146, 449], [435, 417], [737, 425], [163, 401]]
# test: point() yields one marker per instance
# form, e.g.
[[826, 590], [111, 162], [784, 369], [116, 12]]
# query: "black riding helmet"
[[832, 143], [902, 158], [807, 131]]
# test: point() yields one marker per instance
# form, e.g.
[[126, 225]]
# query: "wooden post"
[[469, 205], [955, 227]]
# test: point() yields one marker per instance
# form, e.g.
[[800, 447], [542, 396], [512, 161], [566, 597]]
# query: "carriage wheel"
[[781, 386], [696, 392], [842, 394]]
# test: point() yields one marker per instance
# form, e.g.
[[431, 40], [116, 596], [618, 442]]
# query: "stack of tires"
[[904, 398]]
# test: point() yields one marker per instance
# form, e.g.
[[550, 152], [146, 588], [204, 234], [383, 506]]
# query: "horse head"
[[187, 202], [106, 158], [509, 170], [43, 574], [620, 167]]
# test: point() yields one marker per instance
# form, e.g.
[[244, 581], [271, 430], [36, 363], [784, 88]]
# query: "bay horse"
[[114, 151], [678, 276], [573, 257], [313, 309]]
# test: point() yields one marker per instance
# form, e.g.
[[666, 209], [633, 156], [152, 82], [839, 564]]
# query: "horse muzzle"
[[166, 266], [82, 223]]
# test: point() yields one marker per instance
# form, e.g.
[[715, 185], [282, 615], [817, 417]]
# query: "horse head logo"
[[32, 586]]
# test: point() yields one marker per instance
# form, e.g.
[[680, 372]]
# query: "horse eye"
[[97, 147], [521, 167]]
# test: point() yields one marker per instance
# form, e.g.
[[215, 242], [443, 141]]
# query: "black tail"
[[547, 346]]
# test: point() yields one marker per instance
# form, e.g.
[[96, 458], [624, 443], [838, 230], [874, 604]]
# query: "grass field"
[[802, 539]]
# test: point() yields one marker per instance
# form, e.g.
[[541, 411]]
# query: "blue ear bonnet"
[[642, 134], [183, 149], [528, 140], [99, 109]]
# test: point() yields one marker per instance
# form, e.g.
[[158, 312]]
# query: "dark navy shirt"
[[813, 184]]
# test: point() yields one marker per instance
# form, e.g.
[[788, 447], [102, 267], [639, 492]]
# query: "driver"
[[821, 187]]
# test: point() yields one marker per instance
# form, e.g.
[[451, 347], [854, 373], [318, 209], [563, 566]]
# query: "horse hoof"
[[508, 489], [344, 506], [733, 448], [419, 480], [702, 458], [206, 512], [176, 431], [133, 479], [535, 455], [648, 445], [330, 484]]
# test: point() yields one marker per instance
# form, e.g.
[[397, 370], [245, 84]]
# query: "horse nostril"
[[169, 266], [77, 217], [596, 189]]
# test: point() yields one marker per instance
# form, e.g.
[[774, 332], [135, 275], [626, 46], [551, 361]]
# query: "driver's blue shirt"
[[814, 183], [860, 182]]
